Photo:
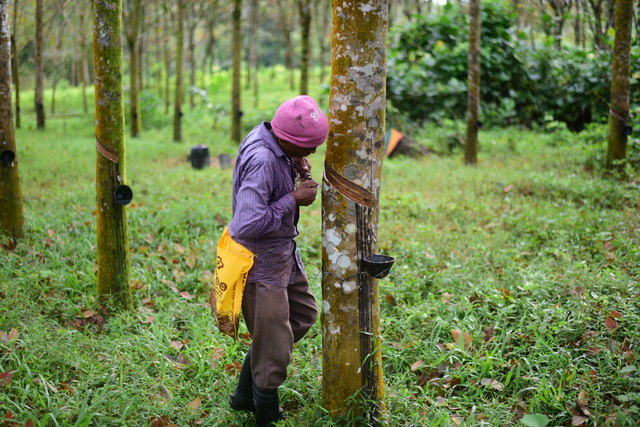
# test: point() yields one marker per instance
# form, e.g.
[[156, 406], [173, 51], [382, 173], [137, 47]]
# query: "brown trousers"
[[276, 317]]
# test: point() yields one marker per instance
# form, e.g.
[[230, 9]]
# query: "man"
[[278, 305]]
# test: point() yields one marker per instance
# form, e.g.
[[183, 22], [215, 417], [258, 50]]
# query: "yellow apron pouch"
[[233, 263]]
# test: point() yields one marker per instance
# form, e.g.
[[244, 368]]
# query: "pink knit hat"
[[301, 122]]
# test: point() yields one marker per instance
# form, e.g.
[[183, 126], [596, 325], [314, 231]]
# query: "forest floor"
[[515, 298]]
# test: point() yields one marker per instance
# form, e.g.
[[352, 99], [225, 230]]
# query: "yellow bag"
[[233, 263]]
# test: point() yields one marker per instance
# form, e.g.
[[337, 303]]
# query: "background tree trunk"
[[15, 63], [83, 72], [350, 202], [60, 57], [133, 41], [11, 211], [620, 86], [323, 14], [167, 60], [39, 89], [304, 7], [236, 47], [177, 102], [252, 78], [284, 10], [114, 265], [473, 92]]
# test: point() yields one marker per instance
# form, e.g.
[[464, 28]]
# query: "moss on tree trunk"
[[113, 240], [473, 92], [11, 210], [236, 114], [620, 87], [350, 196]]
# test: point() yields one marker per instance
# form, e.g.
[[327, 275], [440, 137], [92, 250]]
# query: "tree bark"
[[351, 334], [84, 71], [236, 113], [304, 7], [285, 22], [15, 64], [167, 61], [620, 87], [59, 61], [133, 41], [177, 102], [11, 210], [252, 64], [114, 265], [322, 24], [39, 89], [473, 92]]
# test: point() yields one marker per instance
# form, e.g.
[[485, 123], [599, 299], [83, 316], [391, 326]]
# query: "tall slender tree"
[[304, 7], [236, 47], [60, 56], [166, 57], [39, 88], [133, 41], [350, 203], [177, 102], [114, 265], [11, 211], [473, 91], [15, 63], [323, 21], [84, 63], [620, 87], [286, 23]]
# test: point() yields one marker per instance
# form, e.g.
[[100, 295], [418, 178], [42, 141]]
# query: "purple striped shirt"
[[265, 214]]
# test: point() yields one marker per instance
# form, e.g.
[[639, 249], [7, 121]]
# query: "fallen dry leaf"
[[610, 324], [149, 319], [616, 314], [195, 404], [186, 295], [88, 313], [177, 345], [417, 365], [390, 299], [5, 378], [578, 420]]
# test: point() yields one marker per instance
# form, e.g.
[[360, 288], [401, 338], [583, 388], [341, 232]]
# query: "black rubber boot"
[[242, 398], [267, 406]]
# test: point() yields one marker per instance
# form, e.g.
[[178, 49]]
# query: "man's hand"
[[306, 193], [302, 167]]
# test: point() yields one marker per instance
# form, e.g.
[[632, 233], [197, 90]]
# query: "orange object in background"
[[394, 139]]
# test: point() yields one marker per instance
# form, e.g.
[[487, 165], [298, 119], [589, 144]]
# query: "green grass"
[[528, 253]]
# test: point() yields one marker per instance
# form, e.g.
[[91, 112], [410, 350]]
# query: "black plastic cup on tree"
[[200, 156], [378, 266], [123, 195], [7, 157]]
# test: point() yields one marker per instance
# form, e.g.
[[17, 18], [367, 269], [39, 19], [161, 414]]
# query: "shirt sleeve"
[[255, 216]]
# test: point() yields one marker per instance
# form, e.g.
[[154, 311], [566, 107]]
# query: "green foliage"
[[519, 84]]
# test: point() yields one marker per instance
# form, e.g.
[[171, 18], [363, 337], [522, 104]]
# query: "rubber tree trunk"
[[350, 202], [15, 64], [113, 238], [167, 62], [177, 102], [84, 72], [620, 86], [304, 7], [133, 41], [236, 46], [39, 90], [473, 91], [11, 211], [252, 77], [323, 11]]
